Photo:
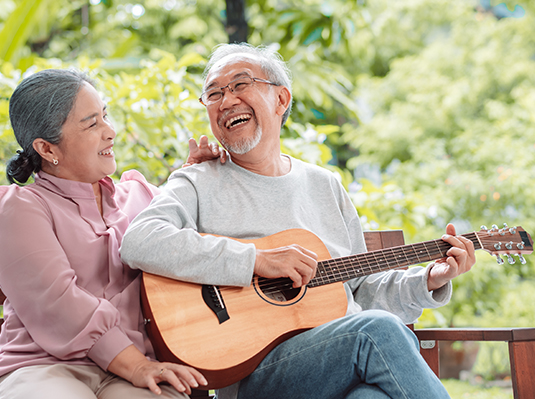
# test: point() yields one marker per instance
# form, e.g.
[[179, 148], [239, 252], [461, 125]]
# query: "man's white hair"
[[269, 60]]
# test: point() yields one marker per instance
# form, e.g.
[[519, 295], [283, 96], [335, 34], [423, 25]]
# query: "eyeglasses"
[[237, 86]]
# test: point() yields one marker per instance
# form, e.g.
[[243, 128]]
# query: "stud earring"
[[55, 162]]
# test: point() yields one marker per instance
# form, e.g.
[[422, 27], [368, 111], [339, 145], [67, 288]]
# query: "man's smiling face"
[[240, 121]]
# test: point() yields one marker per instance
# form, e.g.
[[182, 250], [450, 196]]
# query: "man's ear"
[[284, 98], [48, 151]]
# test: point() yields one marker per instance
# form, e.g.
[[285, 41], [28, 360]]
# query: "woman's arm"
[[65, 320]]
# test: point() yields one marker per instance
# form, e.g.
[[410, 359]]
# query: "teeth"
[[109, 151], [241, 118]]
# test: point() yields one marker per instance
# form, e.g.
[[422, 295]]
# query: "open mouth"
[[237, 120], [107, 151]]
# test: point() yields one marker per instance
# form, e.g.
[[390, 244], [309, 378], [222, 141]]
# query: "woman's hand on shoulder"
[[204, 151]]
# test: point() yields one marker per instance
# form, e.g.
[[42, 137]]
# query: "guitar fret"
[[442, 254], [417, 252], [376, 261], [406, 258], [395, 257]]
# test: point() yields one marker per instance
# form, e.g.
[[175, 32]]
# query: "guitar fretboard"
[[348, 267]]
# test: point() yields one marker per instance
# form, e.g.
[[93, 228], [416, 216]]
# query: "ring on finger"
[[161, 372]]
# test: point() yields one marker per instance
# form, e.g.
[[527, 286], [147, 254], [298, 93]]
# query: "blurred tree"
[[454, 122], [236, 24]]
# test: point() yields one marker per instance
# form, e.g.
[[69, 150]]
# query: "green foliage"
[[454, 123], [18, 27], [466, 390], [120, 29], [9, 78], [155, 110]]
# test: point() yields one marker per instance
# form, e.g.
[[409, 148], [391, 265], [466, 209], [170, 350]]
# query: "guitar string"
[[339, 270], [442, 247], [389, 256], [344, 273], [273, 285]]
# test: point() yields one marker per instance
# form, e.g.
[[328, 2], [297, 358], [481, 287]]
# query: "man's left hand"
[[204, 151], [461, 257]]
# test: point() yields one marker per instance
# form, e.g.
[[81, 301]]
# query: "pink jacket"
[[70, 298]]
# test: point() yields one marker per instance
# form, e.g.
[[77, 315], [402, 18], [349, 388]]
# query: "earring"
[[55, 162]]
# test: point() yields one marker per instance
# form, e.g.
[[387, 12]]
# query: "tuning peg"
[[505, 225], [520, 245], [493, 230], [483, 227], [512, 230], [510, 259], [499, 260], [521, 259]]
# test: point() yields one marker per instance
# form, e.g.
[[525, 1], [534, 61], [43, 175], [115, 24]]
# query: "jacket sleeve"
[[401, 292]]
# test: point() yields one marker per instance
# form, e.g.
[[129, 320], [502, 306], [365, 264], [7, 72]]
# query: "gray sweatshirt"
[[231, 201]]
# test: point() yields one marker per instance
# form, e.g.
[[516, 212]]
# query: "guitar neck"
[[348, 267]]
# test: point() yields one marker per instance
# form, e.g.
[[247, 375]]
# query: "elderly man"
[[369, 353]]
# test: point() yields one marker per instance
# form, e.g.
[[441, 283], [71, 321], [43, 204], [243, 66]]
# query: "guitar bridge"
[[213, 299]]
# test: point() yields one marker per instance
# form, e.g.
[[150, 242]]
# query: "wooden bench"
[[521, 341]]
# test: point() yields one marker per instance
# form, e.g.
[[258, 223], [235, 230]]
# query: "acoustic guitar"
[[225, 332]]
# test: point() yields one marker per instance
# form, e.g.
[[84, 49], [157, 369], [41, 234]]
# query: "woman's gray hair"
[[38, 108], [270, 62]]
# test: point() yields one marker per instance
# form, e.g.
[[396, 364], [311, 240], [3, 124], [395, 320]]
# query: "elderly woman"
[[73, 324]]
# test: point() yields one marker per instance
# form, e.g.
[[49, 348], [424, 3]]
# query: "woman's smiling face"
[[86, 146]]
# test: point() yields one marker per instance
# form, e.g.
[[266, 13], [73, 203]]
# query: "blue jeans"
[[371, 354]]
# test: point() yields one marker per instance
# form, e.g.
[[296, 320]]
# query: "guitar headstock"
[[507, 241]]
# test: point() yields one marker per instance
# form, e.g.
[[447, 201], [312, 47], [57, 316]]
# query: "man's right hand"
[[293, 261]]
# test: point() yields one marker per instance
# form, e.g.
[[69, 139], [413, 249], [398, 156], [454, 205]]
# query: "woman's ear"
[[49, 152], [284, 98]]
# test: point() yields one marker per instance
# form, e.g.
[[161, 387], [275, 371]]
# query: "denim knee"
[[380, 322]]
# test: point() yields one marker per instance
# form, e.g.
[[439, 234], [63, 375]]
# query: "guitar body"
[[184, 329]]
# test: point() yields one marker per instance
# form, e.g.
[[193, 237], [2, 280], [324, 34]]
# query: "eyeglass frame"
[[253, 80]]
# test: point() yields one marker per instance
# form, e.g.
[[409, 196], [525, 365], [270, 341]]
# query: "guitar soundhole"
[[278, 291]]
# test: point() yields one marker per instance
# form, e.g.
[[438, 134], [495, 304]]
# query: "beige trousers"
[[62, 381]]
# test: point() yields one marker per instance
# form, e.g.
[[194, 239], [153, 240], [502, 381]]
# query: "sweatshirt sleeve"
[[402, 292], [163, 240], [65, 320]]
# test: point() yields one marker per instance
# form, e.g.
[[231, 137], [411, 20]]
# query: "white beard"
[[245, 145]]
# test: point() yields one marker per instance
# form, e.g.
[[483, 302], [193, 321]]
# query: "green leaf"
[[18, 27]]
